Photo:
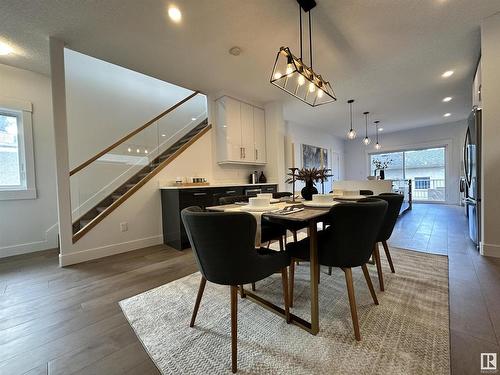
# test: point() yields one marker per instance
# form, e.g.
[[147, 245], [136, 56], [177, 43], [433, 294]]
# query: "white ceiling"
[[386, 54]]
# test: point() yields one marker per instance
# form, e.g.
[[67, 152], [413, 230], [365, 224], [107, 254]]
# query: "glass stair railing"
[[110, 177]]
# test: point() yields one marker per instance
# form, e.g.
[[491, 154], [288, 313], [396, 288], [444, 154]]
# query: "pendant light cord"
[[350, 111], [310, 41], [366, 125], [300, 28]]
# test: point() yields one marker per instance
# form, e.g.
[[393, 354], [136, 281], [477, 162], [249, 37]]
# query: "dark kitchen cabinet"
[[173, 201]]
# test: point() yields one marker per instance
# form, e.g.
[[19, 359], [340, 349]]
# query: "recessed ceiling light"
[[193, 118], [5, 49], [235, 51], [447, 115], [380, 129], [447, 74], [447, 99], [174, 13]]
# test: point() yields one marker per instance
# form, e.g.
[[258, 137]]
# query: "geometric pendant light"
[[292, 75]]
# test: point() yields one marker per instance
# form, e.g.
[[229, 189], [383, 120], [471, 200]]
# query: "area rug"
[[408, 333]]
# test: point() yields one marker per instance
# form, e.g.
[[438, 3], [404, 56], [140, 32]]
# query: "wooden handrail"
[[131, 134], [137, 186]]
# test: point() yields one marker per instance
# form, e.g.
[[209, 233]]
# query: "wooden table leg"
[[314, 266]]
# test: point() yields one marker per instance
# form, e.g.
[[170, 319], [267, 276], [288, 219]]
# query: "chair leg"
[[203, 282], [282, 245], [253, 287], [388, 255], [284, 281], [352, 302], [242, 292], [295, 238], [234, 328], [268, 244], [376, 255], [369, 282], [330, 271], [291, 281]]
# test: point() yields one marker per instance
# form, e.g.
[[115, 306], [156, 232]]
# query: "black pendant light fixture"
[[377, 145], [296, 78], [366, 139], [351, 134]]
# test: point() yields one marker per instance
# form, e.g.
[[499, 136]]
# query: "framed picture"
[[314, 157]]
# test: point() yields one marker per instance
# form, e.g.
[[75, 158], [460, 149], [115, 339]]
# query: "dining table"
[[309, 217]]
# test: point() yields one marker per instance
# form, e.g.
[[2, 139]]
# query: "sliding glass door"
[[426, 168]]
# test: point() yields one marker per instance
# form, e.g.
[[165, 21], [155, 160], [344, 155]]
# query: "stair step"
[[84, 223]]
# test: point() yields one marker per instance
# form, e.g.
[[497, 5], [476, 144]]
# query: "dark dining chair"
[[281, 194], [394, 202], [223, 247], [268, 231], [366, 192], [348, 242], [232, 199]]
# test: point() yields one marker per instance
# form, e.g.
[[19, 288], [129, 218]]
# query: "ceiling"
[[386, 54]]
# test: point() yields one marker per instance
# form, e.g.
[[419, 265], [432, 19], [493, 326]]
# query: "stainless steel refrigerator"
[[472, 171]]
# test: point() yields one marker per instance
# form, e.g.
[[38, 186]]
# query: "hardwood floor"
[[474, 280], [67, 320]]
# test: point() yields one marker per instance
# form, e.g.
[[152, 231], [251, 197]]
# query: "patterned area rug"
[[408, 333]]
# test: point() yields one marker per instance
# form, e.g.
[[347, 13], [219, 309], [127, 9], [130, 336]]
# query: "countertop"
[[214, 186]]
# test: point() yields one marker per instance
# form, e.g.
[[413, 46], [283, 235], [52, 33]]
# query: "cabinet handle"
[[241, 152], [256, 154], [199, 194], [244, 153], [230, 191]]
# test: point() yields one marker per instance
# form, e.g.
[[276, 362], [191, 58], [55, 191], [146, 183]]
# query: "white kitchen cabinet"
[[247, 133], [241, 132], [476, 87], [259, 129]]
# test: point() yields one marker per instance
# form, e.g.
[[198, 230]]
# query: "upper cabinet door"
[[259, 127], [476, 87], [247, 133], [229, 128]]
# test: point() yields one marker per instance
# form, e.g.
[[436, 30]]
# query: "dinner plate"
[[319, 204], [350, 197], [258, 209]]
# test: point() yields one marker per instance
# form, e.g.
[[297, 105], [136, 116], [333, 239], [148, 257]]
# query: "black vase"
[[382, 174], [262, 178], [308, 191]]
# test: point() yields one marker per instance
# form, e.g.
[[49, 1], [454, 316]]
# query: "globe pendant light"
[[351, 134], [290, 73], [366, 140], [377, 145]]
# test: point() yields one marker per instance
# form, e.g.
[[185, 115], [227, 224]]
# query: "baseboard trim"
[[50, 242], [104, 251], [490, 250]]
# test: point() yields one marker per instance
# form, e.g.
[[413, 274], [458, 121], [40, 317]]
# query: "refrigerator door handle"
[[466, 159]]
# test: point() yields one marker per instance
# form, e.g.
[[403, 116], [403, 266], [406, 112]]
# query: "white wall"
[[451, 134], [298, 134], [490, 173], [28, 225]]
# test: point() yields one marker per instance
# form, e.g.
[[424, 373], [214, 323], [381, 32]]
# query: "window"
[[422, 182], [16, 151], [426, 168]]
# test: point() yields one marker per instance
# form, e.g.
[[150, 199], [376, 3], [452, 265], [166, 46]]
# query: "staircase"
[[119, 195]]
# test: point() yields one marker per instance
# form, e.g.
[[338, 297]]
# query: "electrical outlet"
[[124, 227]]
